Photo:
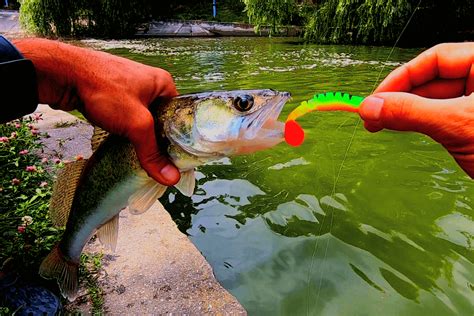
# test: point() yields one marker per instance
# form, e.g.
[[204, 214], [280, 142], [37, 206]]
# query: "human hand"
[[432, 94], [112, 92]]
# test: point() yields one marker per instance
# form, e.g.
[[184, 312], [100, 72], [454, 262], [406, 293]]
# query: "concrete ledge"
[[194, 28], [9, 24]]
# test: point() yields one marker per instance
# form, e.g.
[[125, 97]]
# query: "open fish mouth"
[[264, 123], [262, 130], [221, 128]]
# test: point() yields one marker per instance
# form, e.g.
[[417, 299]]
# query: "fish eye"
[[243, 103]]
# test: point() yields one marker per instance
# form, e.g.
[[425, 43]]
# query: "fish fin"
[[145, 197], [56, 266], [108, 233], [187, 183], [98, 137], [64, 189]]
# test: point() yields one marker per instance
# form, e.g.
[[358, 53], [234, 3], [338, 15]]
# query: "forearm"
[[56, 67], [39, 70], [69, 76]]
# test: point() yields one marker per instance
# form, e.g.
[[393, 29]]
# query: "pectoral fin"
[[64, 189], [108, 233], [187, 183], [145, 197]]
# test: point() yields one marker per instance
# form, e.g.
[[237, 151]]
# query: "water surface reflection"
[[383, 228]]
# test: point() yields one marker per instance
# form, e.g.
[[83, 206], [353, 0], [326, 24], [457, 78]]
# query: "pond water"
[[348, 223]]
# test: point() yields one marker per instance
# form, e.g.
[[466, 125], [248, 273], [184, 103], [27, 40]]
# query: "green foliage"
[[91, 264], [357, 21], [272, 13], [27, 234], [114, 18], [110, 18], [325, 21], [34, 17], [369, 21]]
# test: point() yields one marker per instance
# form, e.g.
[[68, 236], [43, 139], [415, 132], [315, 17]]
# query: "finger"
[[445, 61], [466, 162], [372, 127], [441, 89], [141, 133], [403, 112], [164, 83], [470, 81]]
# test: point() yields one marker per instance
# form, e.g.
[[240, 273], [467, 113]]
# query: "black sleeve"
[[18, 88]]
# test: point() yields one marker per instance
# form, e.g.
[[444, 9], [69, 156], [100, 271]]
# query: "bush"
[[108, 18], [27, 234]]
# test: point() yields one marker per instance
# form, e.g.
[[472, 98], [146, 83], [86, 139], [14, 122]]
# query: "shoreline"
[[10, 27]]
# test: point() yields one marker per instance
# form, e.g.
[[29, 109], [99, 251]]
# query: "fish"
[[191, 129]]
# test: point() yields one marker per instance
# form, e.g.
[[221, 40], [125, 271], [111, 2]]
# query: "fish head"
[[227, 123]]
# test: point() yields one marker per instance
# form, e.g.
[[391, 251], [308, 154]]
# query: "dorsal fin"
[[64, 189], [98, 137]]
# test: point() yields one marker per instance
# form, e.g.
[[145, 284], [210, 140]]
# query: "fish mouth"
[[264, 123], [249, 133], [262, 129]]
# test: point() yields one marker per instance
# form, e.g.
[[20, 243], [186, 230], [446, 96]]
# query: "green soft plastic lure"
[[330, 101]]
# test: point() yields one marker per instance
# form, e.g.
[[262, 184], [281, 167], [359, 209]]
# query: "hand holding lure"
[[294, 134]]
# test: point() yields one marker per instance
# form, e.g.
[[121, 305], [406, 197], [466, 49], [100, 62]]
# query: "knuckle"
[[405, 108], [163, 77], [140, 124], [165, 83]]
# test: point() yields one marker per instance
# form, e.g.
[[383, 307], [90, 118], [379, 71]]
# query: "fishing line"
[[315, 248], [344, 160]]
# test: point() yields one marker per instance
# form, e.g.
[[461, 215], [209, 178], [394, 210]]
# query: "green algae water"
[[293, 231]]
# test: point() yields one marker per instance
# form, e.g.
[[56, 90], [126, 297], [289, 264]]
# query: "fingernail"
[[371, 108], [170, 173]]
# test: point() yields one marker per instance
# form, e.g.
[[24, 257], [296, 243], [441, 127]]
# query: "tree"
[[369, 21], [109, 18], [357, 21], [272, 13]]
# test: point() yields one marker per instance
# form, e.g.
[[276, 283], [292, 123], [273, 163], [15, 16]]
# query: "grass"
[[65, 124], [91, 264], [78, 114]]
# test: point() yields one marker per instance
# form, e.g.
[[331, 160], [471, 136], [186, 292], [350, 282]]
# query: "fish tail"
[[57, 266]]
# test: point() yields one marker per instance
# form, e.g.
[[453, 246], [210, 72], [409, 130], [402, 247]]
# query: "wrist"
[[56, 65]]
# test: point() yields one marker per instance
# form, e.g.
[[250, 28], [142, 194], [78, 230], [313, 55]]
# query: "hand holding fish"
[[194, 129], [433, 95], [112, 92]]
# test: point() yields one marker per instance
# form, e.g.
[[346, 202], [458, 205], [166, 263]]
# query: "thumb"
[[141, 133], [402, 111], [448, 121]]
